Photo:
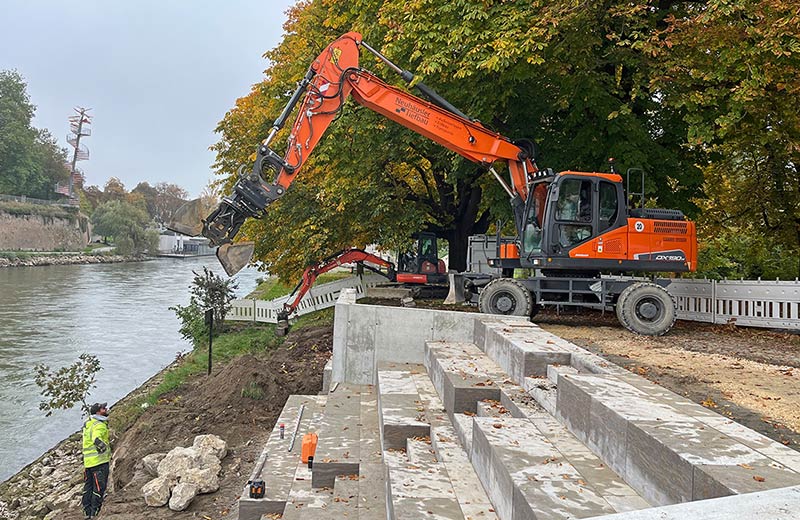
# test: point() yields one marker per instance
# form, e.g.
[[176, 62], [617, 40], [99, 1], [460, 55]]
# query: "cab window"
[[609, 205], [574, 210]]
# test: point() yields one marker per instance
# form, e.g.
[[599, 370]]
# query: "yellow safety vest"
[[93, 429]]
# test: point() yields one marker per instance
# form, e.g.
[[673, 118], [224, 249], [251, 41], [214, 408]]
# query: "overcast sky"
[[158, 74]]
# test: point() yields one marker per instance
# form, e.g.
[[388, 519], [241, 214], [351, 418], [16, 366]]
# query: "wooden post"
[[210, 322]]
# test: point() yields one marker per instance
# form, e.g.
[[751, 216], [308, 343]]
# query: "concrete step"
[[339, 445], [491, 408], [372, 491], [401, 413], [471, 497], [667, 448], [419, 488], [463, 375], [462, 426], [277, 466], [420, 451], [524, 350], [553, 371], [775, 504], [527, 477], [543, 391]]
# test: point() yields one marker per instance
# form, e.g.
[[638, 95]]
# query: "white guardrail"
[[751, 303], [319, 297]]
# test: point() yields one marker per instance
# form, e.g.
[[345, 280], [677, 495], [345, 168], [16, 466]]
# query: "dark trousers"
[[94, 489]]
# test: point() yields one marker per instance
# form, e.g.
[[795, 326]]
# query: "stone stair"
[[493, 418]]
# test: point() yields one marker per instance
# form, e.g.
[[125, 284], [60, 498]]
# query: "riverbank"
[[240, 402], [26, 259]]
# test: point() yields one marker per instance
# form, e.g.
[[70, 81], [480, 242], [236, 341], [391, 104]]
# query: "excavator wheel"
[[646, 308], [506, 296]]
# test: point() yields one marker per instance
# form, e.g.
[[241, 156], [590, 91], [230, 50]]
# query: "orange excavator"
[[571, 226]]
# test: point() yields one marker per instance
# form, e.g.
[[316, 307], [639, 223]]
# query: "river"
[[118, 312]]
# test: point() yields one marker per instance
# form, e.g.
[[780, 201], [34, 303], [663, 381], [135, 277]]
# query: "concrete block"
[[490, 408], [525, 466], [372, 491], [462, 424], [457, 377], [776, 504], [402, 415], [432, 508], [420, 451], [326, 377], [359, 364], [339, 445], [573, 406]]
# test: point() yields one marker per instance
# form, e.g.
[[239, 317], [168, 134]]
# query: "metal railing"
[[317, 298], [753, 303]]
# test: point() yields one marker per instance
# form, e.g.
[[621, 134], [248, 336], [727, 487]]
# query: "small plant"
[[64, 388], [253, 391], [208, 291]]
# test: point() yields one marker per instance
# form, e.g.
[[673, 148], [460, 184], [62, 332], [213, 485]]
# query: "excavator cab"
[[423, 264], [579, 222]]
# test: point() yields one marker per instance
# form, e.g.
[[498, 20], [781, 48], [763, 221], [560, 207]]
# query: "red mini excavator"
[[571, 226], [347, 256]]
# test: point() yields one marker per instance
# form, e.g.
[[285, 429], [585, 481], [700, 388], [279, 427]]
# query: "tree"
[[128, 224], [733, 67], [31, 162], [208, 291], [67, 386], [545, 70]]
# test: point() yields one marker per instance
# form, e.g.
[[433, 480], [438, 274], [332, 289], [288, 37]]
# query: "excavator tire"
[[646, 308], [506, 296]]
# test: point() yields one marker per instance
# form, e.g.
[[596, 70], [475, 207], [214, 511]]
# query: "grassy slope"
[[239, 339]]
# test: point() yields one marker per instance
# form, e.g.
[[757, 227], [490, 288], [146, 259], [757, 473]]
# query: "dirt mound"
[[239, 402]]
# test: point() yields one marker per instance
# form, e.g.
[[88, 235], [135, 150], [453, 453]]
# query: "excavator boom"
[[333, 77]]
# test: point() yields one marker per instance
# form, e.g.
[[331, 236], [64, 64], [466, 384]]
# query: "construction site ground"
[[750, 375]]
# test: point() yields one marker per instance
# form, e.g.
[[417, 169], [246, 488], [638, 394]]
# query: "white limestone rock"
[[210, 461], [150, 463], [182, 496], [178, 461], [156, 492], [212, 444], [206, 479]]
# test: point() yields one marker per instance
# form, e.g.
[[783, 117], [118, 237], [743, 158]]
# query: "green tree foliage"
[[128, 224], [31, 162], [69, 385], [733, 67], [208, 291], [702, 95]]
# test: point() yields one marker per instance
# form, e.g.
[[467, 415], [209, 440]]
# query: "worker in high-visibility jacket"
[[96, 458]]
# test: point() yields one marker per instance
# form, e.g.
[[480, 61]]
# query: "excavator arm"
[[333, 77]]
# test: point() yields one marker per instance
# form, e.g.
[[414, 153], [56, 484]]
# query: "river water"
[[118, 312]]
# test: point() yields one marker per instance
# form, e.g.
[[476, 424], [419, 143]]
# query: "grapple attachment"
[[188, 220], [234, 257]]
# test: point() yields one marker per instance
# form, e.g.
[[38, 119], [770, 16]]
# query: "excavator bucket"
[[188, 220], [456, 294], [234, 257]]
